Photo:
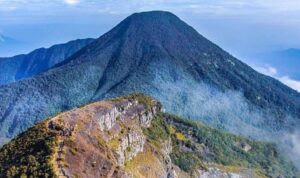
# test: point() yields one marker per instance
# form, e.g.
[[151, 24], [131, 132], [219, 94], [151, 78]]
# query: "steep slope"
[[38, 61], [157, 54], [130, 137]]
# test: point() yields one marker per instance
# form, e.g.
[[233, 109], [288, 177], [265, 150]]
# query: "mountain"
[[158, 54], [40, 60], [131, 137], [8, 45]]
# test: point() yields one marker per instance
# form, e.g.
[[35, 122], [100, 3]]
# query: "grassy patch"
[[158, 132], [187, 161], [180, 136], [145, 100], [29, 154], [144, 165], [114, 143]]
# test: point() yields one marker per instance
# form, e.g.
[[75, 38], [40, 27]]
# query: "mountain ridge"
[[8, 45], [129, 136], [40, 60]]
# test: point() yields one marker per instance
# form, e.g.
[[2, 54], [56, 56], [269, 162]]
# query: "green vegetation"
[[180, 136], [145, 100], [161, 131], [29, 155], [114, 143], [158, 132], [187, 161], [221, 148], [147, 159], [224, 150]]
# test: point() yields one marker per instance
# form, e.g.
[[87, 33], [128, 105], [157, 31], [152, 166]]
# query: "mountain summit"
[[158, 54]]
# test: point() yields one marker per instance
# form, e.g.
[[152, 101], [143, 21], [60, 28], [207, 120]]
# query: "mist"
[[228, 110], [290, 146]]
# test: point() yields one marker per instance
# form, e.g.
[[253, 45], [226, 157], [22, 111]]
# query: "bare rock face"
[[98, 139], [146, 118], [131, 139], [106, 121], [244, 146], [166, 151], [130, 145], [107, 118], [217, 173]]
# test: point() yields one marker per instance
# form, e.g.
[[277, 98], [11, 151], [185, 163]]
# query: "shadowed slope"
[[38, 61]]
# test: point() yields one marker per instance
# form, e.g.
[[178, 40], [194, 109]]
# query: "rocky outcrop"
[[107, 118], [217, 173], [132, 140], [130, 145], [244, 146], [166, 151], [98, 139]]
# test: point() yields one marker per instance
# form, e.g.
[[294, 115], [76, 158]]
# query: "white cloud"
[[216, 7], [72, 2], [272, 72], [290, 82], [274, 10]]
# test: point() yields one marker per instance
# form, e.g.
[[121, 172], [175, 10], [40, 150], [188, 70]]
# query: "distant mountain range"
[[8, 44], [38, 61], [158, 54]]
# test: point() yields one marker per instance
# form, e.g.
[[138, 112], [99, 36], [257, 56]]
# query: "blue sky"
[[242, 27]]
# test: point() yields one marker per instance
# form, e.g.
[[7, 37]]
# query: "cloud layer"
[[216, 7], [271, 71]]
